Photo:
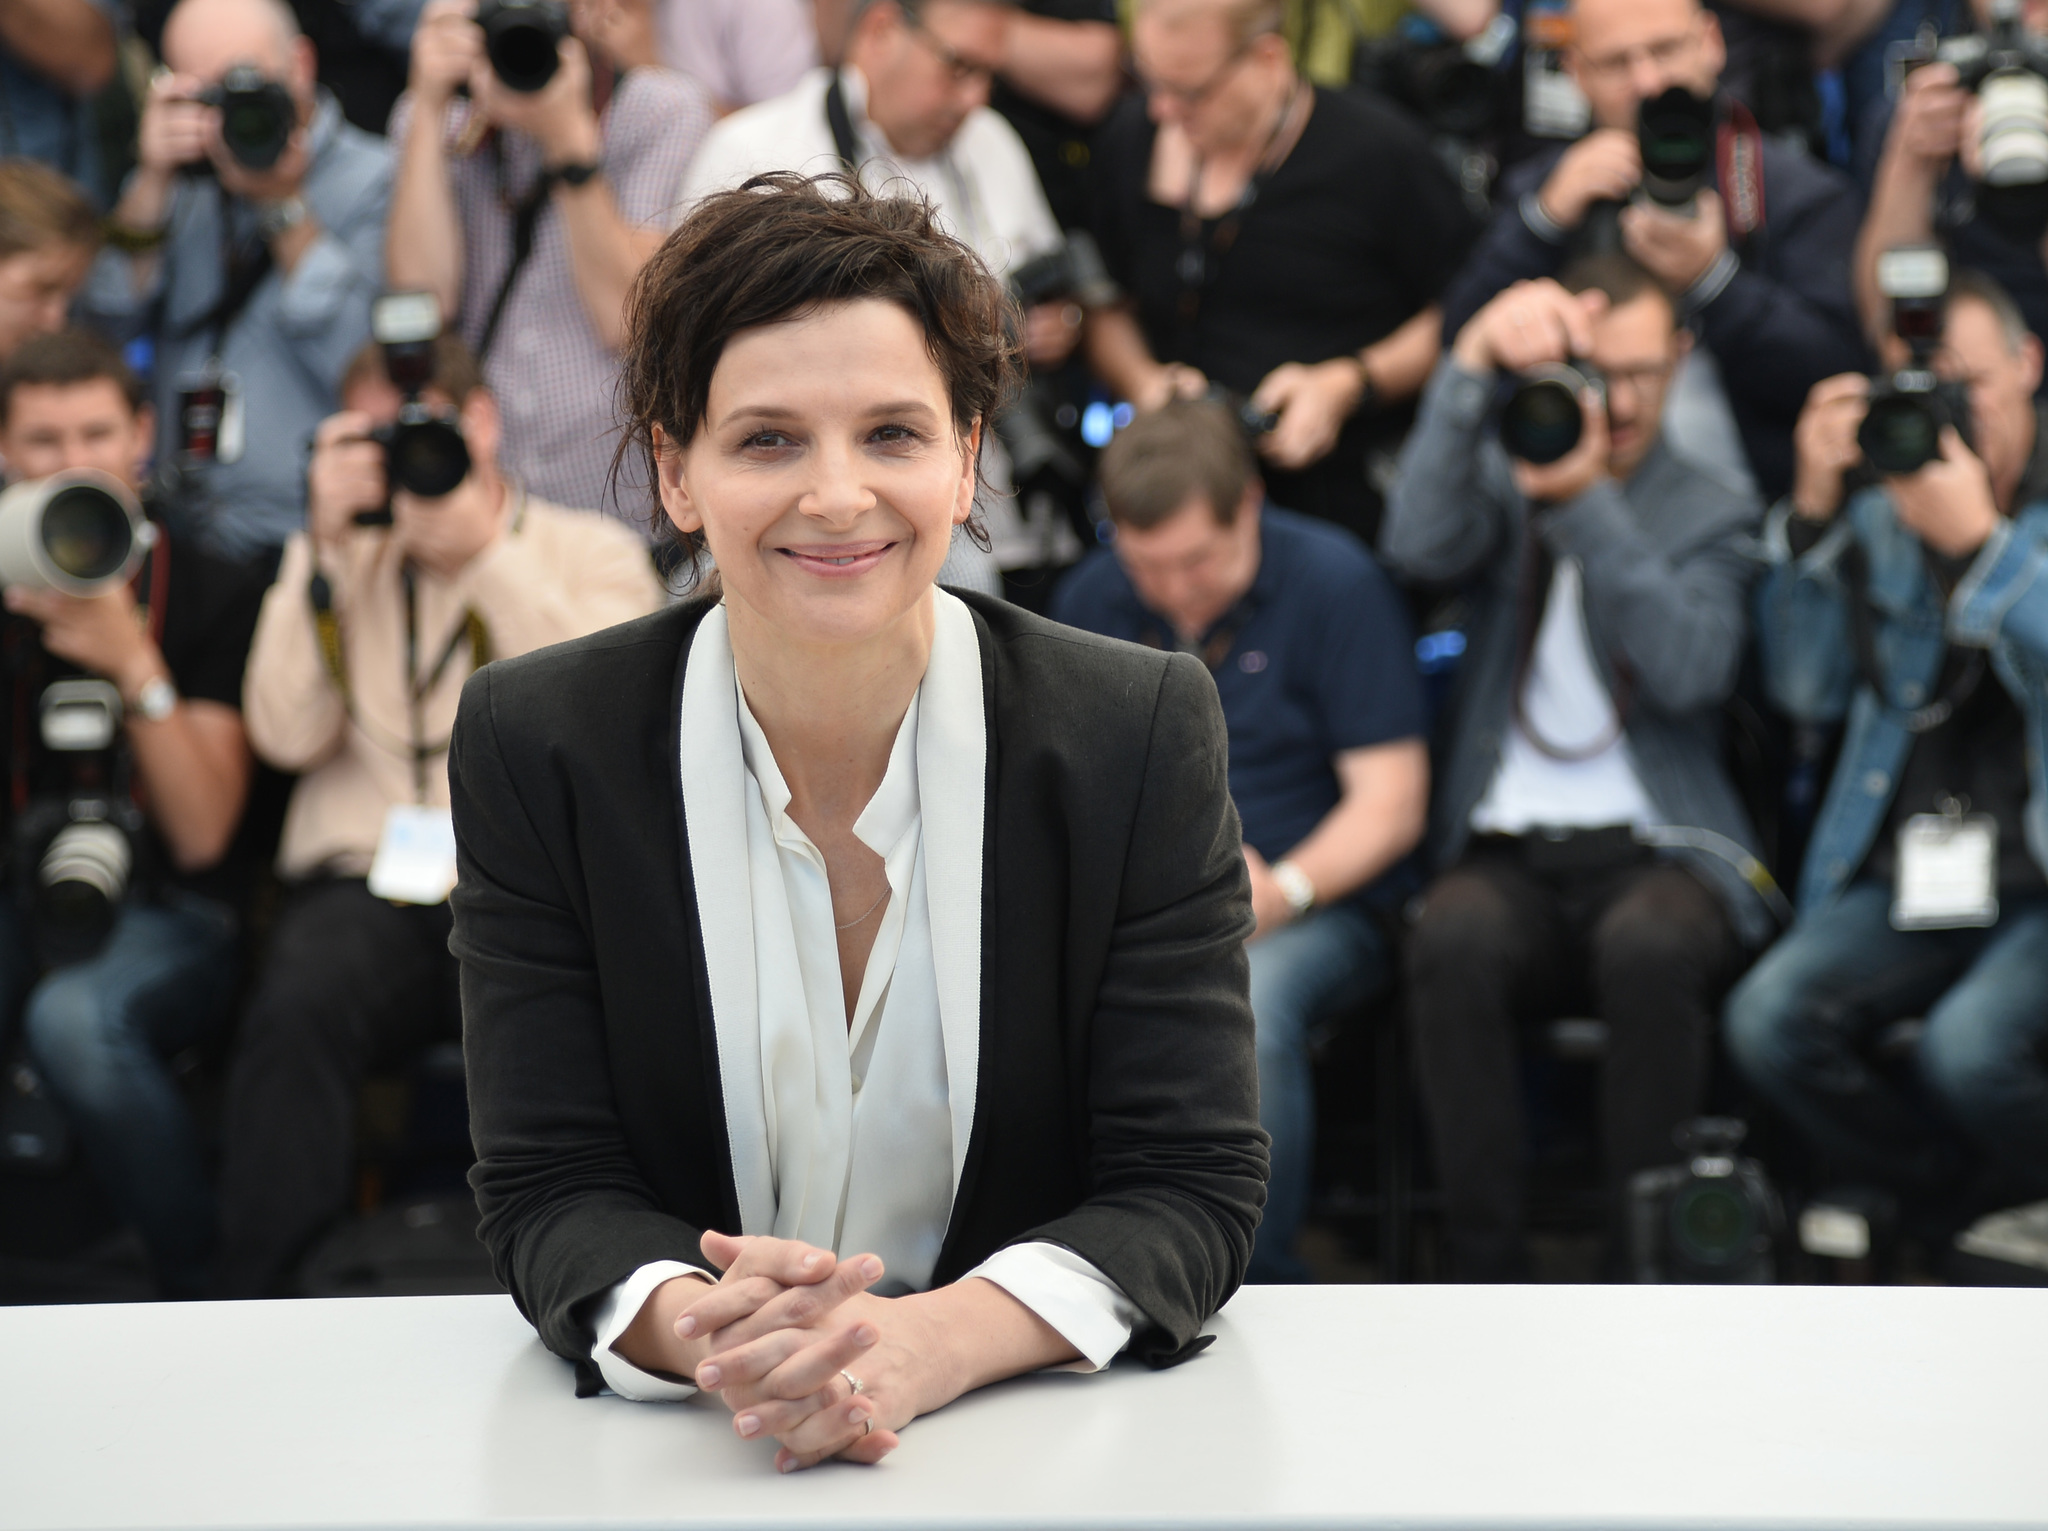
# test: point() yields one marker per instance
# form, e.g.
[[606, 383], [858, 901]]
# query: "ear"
[[676, 499], [1681, 343], [1712, 43], [305, 65], [970, 475], [482, 426], [145, 437], [2030, 362]]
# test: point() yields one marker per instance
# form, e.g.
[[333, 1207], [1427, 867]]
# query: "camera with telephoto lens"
[[1675, 133], [1458, 90], [1910, 408], [73, 846], [1713, 1220], [1542, 419], [1073, 271], [2007, 70], [257, 115], [424, 450], [522, 39]]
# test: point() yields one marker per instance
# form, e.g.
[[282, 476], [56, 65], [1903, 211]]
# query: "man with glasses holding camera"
[[1910, 607], [1592, 855], [387, 603], [249, 242], [1758, 254], [540, 146]]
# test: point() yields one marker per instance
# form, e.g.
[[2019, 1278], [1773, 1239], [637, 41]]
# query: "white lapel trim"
[[952, 778], [714, 780]]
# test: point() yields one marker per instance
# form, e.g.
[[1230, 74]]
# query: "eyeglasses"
[[1649, 375], [1193, 98], [1666, 53], [960, 69]]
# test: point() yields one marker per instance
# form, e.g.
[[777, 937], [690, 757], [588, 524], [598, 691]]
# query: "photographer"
[[55, 56], [360, 656], [528, 207], [172, 642], [1923, 188], [1760, 265], [1606, 624], [1309, 647], [1282, 240], [1914, 609], [251, 262]]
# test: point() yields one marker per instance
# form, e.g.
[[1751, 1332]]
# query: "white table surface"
[[1324, 1407]]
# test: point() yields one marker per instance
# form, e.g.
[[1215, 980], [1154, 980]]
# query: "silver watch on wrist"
[[156, 701], [275, 218], [1295, 887]]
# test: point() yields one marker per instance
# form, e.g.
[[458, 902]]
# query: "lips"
[[837, 561]]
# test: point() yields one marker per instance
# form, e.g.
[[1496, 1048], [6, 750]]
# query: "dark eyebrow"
[[768, 413]]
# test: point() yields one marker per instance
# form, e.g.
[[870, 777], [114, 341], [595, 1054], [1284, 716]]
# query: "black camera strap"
[[1202, 251], [525, 223], [837, 118], [245, 262], [1855, 565]]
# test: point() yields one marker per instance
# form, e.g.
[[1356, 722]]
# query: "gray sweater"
[[1666, 566]]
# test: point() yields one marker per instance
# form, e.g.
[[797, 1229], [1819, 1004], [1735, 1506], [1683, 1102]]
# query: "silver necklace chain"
[[870, 910]]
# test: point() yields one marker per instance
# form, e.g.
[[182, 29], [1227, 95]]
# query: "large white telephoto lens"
[[80, 532]]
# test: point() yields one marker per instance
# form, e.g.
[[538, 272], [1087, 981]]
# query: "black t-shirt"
[[208, 621], [1062, 149], [1357, 230]]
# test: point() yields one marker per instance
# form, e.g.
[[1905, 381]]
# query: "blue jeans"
[[1799, 1024], [98, 1031], [1303, 977]]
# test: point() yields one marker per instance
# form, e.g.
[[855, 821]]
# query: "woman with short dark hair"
[[853, 972]]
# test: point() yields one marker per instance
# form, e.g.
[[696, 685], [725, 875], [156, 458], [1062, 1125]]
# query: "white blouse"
[[851, 1137]]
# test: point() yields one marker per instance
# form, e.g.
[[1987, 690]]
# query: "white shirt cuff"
[[1089, 1310], [615, 1315]]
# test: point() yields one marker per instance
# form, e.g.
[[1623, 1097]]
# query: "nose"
[[52, 313], [836, 496], [1647, 77]]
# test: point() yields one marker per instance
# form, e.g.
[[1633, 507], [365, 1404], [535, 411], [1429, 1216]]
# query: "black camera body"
[[1713, 1220], [1452, 91], [522, 39], [1910, 408], [1071, 272], [425, 453], [257, 115], [1541, 419]]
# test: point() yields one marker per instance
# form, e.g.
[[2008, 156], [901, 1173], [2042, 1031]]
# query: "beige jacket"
[[556, 574]]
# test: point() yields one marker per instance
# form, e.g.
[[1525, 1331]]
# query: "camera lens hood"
[[522, 40], [1542, 419], [80, 531]]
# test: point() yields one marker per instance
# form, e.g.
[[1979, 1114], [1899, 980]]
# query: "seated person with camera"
[[1277, 239], [118, 949], [1591, 850], [49, 233], [1929, 180], [1309, 646], [249, 242], [1912, 608], [910, 104], [377, 617], [539, 150], [1754, 237]]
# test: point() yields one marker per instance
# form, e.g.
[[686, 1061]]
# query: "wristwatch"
[[275, 218], [156, 701], [1295, 887], [577, 175]]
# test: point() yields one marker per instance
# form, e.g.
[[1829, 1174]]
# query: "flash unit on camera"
[[1912, 271]]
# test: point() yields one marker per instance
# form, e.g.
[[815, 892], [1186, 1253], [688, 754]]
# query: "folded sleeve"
[[614, 1315], [1089, 1310]]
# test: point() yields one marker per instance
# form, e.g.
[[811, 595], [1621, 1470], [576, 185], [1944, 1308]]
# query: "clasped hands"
[[776, 1338]]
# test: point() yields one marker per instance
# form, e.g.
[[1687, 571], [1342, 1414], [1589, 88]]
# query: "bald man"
[[255, 278], [1761, 274]]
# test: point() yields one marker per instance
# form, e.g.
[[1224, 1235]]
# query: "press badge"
[[415, 861], [1948, 872]]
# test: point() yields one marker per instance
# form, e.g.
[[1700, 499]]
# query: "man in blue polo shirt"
[[1313, 660]]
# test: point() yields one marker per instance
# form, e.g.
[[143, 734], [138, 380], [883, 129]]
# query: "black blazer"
[[1117, 1106]]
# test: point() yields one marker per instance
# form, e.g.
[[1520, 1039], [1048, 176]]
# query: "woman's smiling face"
[[828, 474]]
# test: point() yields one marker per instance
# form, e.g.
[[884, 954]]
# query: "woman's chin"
[[836, 610]]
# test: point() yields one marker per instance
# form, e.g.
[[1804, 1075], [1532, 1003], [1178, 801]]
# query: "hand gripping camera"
[[2007, 69], [522, 39], [424, 452], [1901, 432], [257, 115], [73, 843]]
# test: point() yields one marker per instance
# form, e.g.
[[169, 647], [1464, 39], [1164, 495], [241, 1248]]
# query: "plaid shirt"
[[554, 379]]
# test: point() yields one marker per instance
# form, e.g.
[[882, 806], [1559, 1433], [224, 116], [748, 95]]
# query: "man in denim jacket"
[[1920, 613], [1607, 614]]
